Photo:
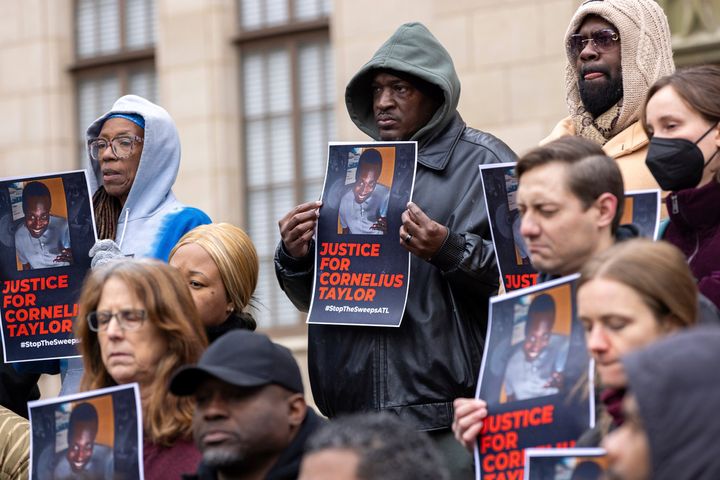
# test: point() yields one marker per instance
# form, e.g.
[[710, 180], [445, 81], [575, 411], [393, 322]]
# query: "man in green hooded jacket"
[[409, 90]]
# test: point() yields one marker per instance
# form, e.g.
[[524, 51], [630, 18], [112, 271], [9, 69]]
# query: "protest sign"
[[536, 377], [565, 463], [95, 434], [642, 209], [361, 269], [500, 186], [46, 231]]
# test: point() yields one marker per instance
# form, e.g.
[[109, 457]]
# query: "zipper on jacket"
[[697, 248], [125, 223], [673, 200]]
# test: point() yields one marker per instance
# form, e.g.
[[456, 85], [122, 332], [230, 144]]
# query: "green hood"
[[412, 50]]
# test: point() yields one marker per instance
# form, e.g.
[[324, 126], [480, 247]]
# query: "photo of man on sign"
[[42, 239], [363, 208], [536, 366]]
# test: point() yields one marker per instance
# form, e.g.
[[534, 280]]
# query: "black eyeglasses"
[[122, 147], [127, 319], [602, 41]]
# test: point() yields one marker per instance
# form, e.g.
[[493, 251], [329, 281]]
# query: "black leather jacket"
[[417, 370]]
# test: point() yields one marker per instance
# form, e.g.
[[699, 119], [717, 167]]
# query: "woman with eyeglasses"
[[682, 119], [137, 323], [220, 265], [133, 159], [629, 296]]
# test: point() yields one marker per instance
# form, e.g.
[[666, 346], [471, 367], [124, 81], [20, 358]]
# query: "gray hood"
[[677, 385], [159, 162]]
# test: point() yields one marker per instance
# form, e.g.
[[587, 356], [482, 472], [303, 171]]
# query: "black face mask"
[[677, 163]]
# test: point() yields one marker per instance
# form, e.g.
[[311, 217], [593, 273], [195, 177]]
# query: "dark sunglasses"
[[602, 41]]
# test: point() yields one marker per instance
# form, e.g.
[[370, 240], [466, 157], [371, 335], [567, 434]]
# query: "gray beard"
[[221, 458]]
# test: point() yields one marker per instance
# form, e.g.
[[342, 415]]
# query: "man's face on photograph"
[[538, 335], [37, 215], [365, 183], [80, 447]]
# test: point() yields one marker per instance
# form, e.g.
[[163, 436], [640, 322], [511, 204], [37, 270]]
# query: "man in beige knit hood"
[[616, 49]]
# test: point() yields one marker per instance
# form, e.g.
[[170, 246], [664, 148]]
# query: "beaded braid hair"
[[107, 213]]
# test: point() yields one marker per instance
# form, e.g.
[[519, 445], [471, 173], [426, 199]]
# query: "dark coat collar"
[[697, 208], [436, 151]]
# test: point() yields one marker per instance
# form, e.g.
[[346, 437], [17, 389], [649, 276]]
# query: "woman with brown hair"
[[682, 120], [139, 325], [220, 264], [628, 296]]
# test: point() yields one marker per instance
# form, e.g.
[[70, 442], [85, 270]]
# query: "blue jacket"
[[152, 219]]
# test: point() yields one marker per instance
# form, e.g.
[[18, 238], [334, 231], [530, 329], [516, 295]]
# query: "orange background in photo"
[[106, 418], [387, 174], [627, 215], [563, 309], [57, 196], [601, 461], [388, 165], [563, 318]]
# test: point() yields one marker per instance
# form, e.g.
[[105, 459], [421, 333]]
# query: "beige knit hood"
[[646, 55]]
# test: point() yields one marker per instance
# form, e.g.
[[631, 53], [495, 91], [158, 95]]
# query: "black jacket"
[[287, 466], [235, 321], [16, 389], [415, 370]]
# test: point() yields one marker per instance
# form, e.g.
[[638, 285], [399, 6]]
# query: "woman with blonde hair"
[[628, 296], [139, 324], [220, 265]]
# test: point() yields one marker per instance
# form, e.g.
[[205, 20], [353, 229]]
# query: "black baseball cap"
[[244, 359]]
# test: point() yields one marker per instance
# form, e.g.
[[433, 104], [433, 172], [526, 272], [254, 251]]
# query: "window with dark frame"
[[114, 56], [288, 118]]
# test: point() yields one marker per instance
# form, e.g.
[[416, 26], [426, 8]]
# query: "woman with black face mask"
[[681, 117]]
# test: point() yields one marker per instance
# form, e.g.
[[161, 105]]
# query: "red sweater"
[[170, 462]]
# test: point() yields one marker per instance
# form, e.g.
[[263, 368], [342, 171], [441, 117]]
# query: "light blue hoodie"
[[152, 219]]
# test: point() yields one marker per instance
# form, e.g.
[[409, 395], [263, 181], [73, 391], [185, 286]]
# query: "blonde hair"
[[235, 256], [170, 308], [657, 272]]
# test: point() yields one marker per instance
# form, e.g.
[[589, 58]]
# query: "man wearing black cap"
[[251, 420]]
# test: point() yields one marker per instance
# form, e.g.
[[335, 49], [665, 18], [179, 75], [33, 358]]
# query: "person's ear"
[[297, 409], [607, 205], [716, 137], [669, 324]]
